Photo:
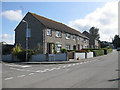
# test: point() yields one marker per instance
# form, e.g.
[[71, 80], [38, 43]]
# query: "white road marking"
[[31, 73], [38, 71], [21, 76], [58, 68], [9, 78], [69, 65], [18, 65], [43, 71], [25, 66], [64, 66], [81, 63], [73, 64], [77, 63], [19, 69]]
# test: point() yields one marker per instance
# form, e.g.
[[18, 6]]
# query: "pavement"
[[98, 72]]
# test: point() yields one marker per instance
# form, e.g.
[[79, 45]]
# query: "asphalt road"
[[100, 72]]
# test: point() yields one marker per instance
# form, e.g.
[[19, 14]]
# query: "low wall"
[[39, 58], [80, 55], [7, 58], [58, 57], [51, 57], [90, 55], [83, 55]]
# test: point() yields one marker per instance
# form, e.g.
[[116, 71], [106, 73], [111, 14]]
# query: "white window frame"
[[58, 47], [67, 46], [67, 36], [58, 34], [74, 37], [49, 32]]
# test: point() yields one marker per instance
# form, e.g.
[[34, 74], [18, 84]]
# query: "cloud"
[[8, 38], [13, 15], [105, 18]]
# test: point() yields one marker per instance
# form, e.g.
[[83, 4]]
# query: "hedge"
[[107, 50], [98, 52]]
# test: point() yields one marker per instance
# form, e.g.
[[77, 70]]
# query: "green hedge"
[[107, 50], [98, 52]]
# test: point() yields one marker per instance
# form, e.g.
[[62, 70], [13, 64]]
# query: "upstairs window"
[[49, 32], [78, 38], [82, 39], [74, 37], [67, 36], [58, 34]]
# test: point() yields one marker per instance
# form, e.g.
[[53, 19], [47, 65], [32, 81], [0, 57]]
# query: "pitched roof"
[[57, 25]]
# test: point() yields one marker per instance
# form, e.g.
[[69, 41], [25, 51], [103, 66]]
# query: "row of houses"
[[50, 35]]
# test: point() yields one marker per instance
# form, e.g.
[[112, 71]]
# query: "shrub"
[[70, 50], [16, 49], [107, 50], [98, 52], [63, 50], [55, 51], [21, 54], [81, 51]]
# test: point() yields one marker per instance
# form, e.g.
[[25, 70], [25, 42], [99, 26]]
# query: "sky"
[[78, 15]]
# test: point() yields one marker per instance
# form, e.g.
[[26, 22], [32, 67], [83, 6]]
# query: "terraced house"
[[49, 34]]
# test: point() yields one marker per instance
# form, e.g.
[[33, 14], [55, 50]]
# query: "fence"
[[57, 57], [39, 57], [7, 58]]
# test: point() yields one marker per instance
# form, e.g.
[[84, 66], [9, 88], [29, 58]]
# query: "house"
[[49, 35], [93, 43]]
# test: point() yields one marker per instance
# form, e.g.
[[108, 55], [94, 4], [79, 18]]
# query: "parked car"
[[118, 49]]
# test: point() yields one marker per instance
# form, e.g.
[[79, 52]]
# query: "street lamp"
[[26, 36]]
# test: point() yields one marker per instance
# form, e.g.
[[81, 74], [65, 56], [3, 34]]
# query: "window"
[[68, 47], [67, 36], [58, 47], [78, 38], [49, 32], [74, 37], [82, 39], [81, 46], [58, 34]]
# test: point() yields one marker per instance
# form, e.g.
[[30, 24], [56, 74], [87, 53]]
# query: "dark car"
[[118, 49]]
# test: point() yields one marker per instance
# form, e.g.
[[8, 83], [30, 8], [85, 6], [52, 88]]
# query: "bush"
[[98, 52], [21, 53], [81, 51], [70, 50], [63, 50], [107, 50], [16, 49]]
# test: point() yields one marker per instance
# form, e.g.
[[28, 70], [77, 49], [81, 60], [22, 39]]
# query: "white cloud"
[[8, 38], [105, 18], [13, 15]]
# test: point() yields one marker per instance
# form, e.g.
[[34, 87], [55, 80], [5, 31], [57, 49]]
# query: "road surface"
[[100, 72]]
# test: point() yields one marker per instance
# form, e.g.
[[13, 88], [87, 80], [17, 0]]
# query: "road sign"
[[28, 33]]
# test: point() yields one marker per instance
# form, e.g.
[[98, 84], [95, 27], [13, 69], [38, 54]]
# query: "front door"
[[50, 48], [74, 47]]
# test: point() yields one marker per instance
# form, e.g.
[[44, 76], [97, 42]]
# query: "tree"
[[116, 41], [94, 33]]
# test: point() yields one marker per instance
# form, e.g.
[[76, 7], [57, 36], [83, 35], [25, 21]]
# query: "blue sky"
[[64, 12]]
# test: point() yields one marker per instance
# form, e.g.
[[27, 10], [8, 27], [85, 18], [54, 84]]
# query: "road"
[[100, 72]]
